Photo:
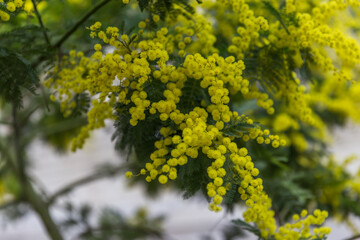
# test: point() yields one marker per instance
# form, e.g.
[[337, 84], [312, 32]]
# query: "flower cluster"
[[11, 6], [120, 77], [183, 79], [300, 228], [2, 192]]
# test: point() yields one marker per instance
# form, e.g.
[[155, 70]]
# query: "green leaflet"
[[82, 104], [143, 4], [276, 13], [248, 227], [16, 73]]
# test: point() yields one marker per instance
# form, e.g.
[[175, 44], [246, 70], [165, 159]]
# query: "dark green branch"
[[5, 122], [80, 22], [8, 158], [41, 23], [54, 128], [29, 193], [28, 115], [72, 30], [45, 97], [18, 150], [9, 204], [108, 172], [353, 237], [118, 229], [40, 207]]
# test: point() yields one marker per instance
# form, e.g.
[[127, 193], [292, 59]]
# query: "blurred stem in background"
[[15, 155], [264, 68], [18, 166]]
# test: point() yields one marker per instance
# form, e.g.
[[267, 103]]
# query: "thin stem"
[[18, 150], [72, 30], [80, 22], [5, 122], [46, 102], [48, 129], [118, 229], [9, 204], [29, 194], [40, 207], [278, 217], [82, 181], [8, 158], [110, 172], [41, 23], [28, 115], [353, 237]]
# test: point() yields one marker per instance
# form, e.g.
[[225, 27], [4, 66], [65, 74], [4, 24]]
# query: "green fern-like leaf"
[[248, 227], [18, 39], [143, 4], [192, 94], [82, 101], [166, 7], [16, 74], [192, 177], [276, 13], [235, 128]]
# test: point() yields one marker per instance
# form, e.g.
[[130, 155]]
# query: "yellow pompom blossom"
[[188, 51], [284, 122], [2, 192], [11, 6], [300, 228], [351, 184], [333, 194], [200, 130], [311, 32], [337, 97], [156, 18], [28, 6], [5, 193], [128, 174]]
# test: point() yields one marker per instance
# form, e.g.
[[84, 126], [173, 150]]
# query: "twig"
[[111, 172], [46, 102], [27, 117], [18, 151], [5, 122], [9, 204], [72, 30], [118, 229], [353, 237], [48, 129], [40, 207], [5, 153], [78, 24], [278, 217], [41, 23], [29, 193]]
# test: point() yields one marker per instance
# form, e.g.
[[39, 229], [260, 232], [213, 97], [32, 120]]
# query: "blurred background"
[[185, 219]]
